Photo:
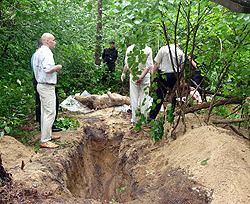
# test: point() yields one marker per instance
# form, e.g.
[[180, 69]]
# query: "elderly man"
[[38, 102], [46, 72], [139, 88], [167, 75]]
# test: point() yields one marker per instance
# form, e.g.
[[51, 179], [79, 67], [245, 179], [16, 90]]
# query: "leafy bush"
[[17, 99], [66, 122], [157, 131]]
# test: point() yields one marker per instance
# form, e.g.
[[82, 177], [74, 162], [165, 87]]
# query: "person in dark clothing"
[[196, 77], [167, 78], [109, 57], [38, 102]]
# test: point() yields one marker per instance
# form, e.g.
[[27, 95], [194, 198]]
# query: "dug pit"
[[96, 171], [106, 170]]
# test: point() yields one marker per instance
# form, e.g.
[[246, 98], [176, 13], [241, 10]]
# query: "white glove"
[[122, 76]]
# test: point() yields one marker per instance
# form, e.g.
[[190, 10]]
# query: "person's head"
[[48, 40], [40, 43], [112, 44]]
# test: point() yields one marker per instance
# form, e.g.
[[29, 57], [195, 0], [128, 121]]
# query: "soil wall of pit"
[[96, 170], [110, 158]]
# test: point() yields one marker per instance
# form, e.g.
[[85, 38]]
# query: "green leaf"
[[158, 101], [7, 129], [89, 6], [2, 134], [204, 162], [131, 16], [169, 106], [170, 116], [139, 21]]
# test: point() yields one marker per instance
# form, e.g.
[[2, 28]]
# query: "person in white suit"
[[139, 88]]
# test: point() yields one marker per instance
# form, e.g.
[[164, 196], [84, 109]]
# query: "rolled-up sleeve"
[[126, 59], [149, 62], [158, 57], [48, 61]]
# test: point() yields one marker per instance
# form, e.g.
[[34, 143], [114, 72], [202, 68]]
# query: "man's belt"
[[46, 83], [167, 73]]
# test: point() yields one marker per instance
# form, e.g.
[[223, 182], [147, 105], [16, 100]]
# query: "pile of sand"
[[14, 152]]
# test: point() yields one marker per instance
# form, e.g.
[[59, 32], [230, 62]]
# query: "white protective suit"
[[137, 91]]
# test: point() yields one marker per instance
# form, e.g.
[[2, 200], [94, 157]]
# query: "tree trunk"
[[239, 6], [236, 100], [229, 121], [98, 49]]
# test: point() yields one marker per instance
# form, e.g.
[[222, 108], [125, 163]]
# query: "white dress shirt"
[[43, 63], [164, 60]]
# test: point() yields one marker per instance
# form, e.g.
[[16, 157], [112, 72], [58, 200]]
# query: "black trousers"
[[38, 103], [111, 67], [197, 78], [165, 84]]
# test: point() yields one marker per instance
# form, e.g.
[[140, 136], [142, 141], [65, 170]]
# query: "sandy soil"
[[107, 154]]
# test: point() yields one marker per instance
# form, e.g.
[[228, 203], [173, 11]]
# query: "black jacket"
[[109, 55]]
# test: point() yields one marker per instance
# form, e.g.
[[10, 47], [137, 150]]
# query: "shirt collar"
[[45, 47]]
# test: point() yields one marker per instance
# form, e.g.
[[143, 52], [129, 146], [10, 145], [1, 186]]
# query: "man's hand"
[[140, 79], [123, 76], [58, 67]]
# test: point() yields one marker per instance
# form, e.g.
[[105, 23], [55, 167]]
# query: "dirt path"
[[106, 154]]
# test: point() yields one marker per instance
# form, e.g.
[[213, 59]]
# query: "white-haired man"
[[46, 72]]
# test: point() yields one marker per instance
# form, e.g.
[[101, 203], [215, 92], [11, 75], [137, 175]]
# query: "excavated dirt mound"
[[106, 161]]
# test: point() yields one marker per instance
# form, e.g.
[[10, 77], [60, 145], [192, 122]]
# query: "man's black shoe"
[[55, 129]]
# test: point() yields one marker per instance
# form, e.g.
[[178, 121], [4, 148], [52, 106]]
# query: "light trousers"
[[137, 97], [48, 110]]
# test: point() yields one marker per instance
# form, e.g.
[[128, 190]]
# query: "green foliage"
[[66, 144], [3, 180], [66, 122], [222, 111], [112, 201], [16, 96], [121, 189], [245, 107], [142, 120], [37, 148], [157, 131], [222, 40], [204, 162], [170, 113]]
